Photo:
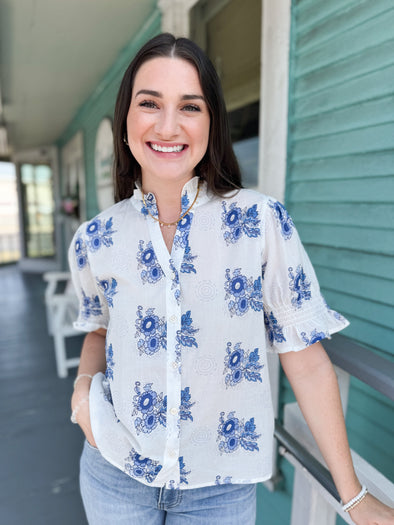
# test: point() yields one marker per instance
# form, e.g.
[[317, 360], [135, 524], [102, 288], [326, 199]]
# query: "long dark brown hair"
[[219, 166]]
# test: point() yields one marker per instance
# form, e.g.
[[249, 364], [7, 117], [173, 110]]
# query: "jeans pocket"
[[91, 447]]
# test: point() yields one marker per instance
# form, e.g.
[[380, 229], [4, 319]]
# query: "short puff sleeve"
[[295, 312], [93, 308]]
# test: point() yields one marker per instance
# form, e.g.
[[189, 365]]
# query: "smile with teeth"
[[167, 149]]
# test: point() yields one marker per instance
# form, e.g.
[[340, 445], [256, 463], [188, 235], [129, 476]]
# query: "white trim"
[[274, 86], [175, 16]]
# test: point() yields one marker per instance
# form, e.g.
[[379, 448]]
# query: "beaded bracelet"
[[77, 409], [356, 500], [80, 377]]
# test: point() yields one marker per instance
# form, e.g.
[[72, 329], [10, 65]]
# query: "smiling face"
[[168, 121]]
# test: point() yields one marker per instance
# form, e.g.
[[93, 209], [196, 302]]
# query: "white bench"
[[62, 311]]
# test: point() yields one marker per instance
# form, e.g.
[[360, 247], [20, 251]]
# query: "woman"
[[184, 284]]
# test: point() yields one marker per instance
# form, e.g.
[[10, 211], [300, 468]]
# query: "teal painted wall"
[[340, 192], [101, 104]]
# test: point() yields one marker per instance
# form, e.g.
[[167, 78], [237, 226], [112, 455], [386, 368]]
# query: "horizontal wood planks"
[[340, 182]]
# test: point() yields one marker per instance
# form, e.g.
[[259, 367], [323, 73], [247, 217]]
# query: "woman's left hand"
[[371, 511]]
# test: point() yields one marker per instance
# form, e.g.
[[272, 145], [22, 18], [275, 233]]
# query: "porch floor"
[[40, 447]]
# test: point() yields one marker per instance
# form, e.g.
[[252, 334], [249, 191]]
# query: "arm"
[[92, 361], [315, 386]]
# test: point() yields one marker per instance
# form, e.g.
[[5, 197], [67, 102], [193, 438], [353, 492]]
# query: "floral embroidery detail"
[[187, 265], [81, 253], [314, 337], [182, 232], [99, 234], [233, 432], [283, 218], [151, 408], [224, 481], [299, 286], [183, 471], [152, 272], [237, 222], [151, 330], [108, 290], [240, 364], [90, 306], [246, 292], [109, 354], [140, 467], [274, 330]]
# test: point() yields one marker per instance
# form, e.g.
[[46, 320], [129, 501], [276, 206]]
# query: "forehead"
[[161, 72]]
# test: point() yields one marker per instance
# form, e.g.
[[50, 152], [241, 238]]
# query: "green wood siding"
[[340, 188], [101, 104]]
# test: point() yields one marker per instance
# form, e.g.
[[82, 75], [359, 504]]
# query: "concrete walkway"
[[39, 446]]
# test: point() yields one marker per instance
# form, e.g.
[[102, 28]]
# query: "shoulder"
[[106, 221], [247, 197]]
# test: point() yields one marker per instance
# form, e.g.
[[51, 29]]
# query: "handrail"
[[372, 369], [309, 462], [358, 361]]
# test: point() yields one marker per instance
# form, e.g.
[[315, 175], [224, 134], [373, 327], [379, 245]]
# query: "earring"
[[125, 140]]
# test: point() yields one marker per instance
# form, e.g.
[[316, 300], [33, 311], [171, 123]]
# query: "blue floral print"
[[183, 471], [336, 315], [314, 337], [236, 222], [150, 205], [187, 265], [147, 260], [185, 336], [273, 329], [81, 253], [186, 404], [109, 290], [139, 467], [109, 354], [243, 293], [107, 392], [150, 407], [151, 330], [99, 234], [283, 218], [239, 364], [91, 306], [175, 282], [299, 286], [224, 481], [234, 433]]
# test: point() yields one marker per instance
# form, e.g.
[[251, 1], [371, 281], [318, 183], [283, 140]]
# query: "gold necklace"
[[169, 224]]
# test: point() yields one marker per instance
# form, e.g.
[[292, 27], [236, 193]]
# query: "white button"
[[174, 365], [173, 318], [173, 275], [172, 453], [174, 411]]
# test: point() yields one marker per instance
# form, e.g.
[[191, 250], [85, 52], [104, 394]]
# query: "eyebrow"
[[160, 95]]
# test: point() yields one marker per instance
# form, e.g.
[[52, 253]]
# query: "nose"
[[167, 125]]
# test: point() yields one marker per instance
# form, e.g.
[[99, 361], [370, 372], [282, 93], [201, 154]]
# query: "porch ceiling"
[[52, 55]]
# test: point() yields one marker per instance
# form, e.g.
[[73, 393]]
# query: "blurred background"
[[309, 86]]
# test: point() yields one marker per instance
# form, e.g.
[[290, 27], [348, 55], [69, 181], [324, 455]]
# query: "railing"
[[315, 498], [9, 247]]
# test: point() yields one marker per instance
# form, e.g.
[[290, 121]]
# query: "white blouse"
[[185, 401]]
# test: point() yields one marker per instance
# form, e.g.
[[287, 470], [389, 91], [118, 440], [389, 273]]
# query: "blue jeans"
[[111, 497]]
